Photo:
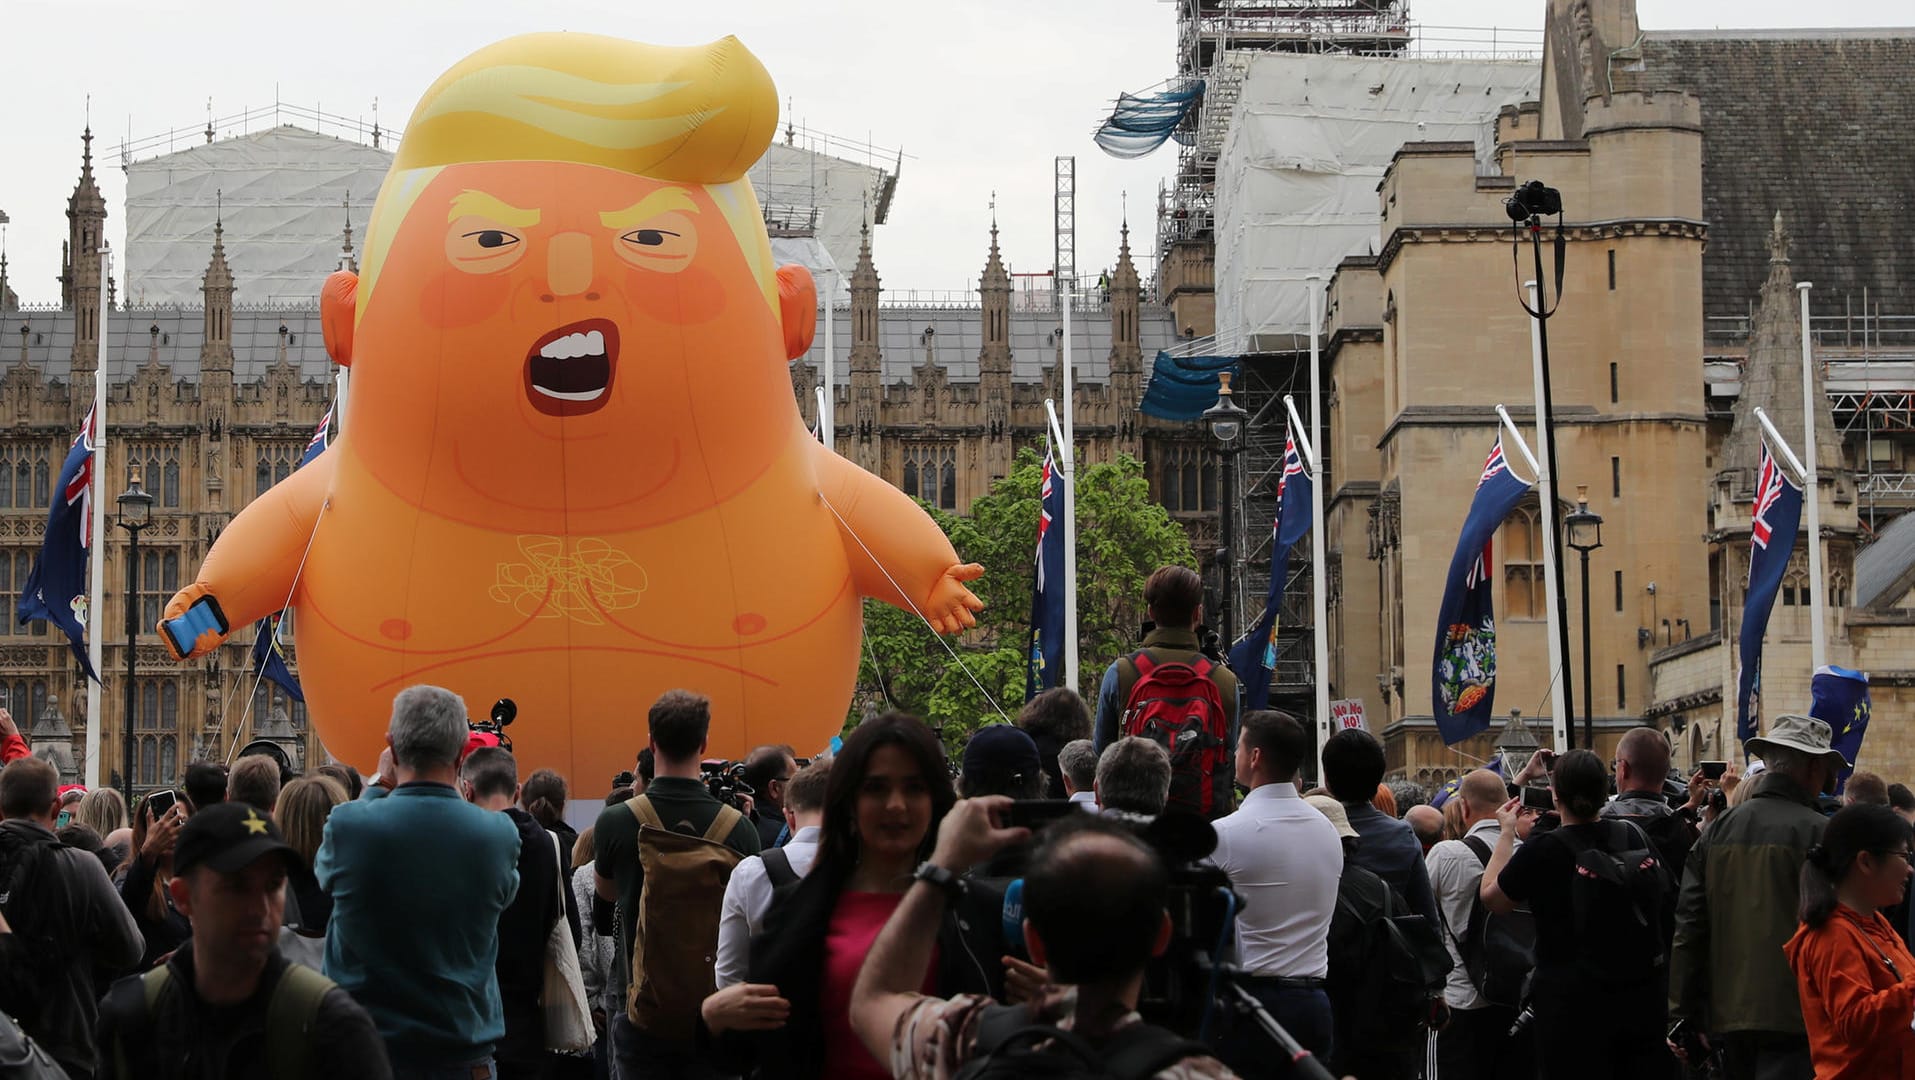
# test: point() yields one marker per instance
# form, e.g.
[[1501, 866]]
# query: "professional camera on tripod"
[[504, 711], [726, 782]]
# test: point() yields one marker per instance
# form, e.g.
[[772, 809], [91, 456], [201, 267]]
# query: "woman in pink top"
[[890, 786]]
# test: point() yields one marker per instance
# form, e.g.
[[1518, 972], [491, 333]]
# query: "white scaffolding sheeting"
[[1308, 142], [281, 194], [805, 191]]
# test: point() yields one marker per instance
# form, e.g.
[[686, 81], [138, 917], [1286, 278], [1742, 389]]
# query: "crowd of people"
[[1148, 887]]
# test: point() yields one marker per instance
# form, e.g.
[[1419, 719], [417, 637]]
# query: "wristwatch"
[[950, 884]]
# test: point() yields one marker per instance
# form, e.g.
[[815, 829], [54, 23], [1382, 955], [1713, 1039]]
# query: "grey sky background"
[[980, 95]]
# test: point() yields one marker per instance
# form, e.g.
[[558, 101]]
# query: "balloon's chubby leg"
[[250, 571], [888, 538]]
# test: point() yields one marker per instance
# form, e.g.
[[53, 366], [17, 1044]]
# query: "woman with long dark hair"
[[889, 789], [1855, 975]]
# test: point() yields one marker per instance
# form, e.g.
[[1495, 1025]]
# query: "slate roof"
[[1819, 124]]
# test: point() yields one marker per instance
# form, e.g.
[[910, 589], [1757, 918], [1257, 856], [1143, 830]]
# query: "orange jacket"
[[1857, 981]]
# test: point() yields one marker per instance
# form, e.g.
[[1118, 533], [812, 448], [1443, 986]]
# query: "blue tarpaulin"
[[1139, 123], [1181, 388]]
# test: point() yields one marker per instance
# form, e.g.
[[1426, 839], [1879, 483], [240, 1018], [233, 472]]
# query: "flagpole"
[[827, 428], [1546, 490], [1319, 571], [96, 546], [1811, 494], [1070, 500]]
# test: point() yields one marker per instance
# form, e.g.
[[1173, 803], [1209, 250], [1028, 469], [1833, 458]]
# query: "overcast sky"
[[980, 95]]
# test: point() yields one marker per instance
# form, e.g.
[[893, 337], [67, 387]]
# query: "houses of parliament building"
[[215, 403]]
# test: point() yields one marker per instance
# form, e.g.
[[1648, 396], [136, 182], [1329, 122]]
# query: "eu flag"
[[1448, 791], [269, 656], [269, 646], [1839, 698], [1254, 659], [56, 590], [1046, 666], [1772, 524], [1463, 675]]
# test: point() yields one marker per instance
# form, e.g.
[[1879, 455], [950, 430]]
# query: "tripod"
[[1232, 995]]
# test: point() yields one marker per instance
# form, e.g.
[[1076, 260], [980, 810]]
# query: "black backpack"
[[1625, 874], [21, 1058], [27, 898], [1404, 967], [1010, 1047], [1499, 951]]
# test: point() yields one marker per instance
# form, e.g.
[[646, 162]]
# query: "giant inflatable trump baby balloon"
[[572, 471]]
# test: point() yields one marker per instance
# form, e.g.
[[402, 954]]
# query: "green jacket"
[[1736, 911]]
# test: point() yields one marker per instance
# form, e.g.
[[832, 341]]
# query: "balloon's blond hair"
[[693, 115]]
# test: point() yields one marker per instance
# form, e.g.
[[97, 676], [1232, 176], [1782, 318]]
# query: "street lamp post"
[[1225, 420], [136, 513], [1584, 528]]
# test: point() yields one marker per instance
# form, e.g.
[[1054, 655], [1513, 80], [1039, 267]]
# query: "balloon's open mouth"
[[568, 372]]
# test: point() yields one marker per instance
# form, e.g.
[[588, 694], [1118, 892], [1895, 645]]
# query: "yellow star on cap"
[[254, 823]]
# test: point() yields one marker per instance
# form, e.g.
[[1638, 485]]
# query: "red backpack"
[[1178, 707]]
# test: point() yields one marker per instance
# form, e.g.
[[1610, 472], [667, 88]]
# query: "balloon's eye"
[[477, 246], [664, 244], [493, 238], [649, 237]]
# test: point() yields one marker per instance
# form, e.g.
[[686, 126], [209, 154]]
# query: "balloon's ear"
[[797, 307], [338, 303]]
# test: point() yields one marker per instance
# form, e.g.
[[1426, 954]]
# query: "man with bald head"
[[1476, 1043], [1426, 822], [1642, 766]]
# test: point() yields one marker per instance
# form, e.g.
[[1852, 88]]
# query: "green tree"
[[1121, 537]]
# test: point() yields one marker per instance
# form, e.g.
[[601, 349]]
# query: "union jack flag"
[[1045, 665], [1768, 488], [1492, 465], [317, 445], [1043, 516], [79, 488], [1292, 466]]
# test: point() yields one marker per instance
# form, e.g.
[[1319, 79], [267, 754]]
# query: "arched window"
[[1520, 549], [169, 759]]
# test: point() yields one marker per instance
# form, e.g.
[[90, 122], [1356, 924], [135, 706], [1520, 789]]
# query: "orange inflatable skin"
[[572, 473]]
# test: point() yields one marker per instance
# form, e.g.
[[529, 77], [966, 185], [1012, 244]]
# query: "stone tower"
[[994, 363], [216, 382], [80, 285], [1126, 349], [1772, 381], [866, 391]]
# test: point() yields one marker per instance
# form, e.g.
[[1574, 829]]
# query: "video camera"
[[726, 782], [504, 711]]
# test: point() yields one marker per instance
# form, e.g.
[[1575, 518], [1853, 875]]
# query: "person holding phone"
[[1642, 764], [156, 828]]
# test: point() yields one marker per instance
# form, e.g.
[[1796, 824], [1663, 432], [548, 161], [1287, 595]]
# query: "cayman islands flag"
[[1254, 659], [1772, 527], [56, 589], [270, 633], [1463, 676], [1045, 667]]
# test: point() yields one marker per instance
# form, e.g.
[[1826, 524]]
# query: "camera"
[[1532, 200], [726, 782], [504, 711]]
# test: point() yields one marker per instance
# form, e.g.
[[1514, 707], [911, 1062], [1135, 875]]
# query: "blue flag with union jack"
[[55, 590], [269, 642], [1777, 512], [1839, 698], [1045, 668], [1463, 676], [1254, 659]]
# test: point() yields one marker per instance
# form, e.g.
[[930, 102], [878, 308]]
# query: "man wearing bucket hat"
[[1728, 976], [227, 1003]]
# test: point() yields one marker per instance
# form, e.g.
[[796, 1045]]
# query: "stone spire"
[[347, 260], [9, 300], [1772, 377], [216, 288], [1126, 350], [994, 288], [866, 390], [80, 281]]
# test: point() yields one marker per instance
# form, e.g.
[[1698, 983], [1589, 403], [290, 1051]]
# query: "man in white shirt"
[[1284, 860], [1077, 764], [748, 894], [1476, 1041]]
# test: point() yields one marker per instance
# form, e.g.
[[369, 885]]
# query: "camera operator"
[[767, 770], [1284, 858], [1094, 906]]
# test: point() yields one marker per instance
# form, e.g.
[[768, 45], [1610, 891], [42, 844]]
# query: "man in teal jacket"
[[418, 877]]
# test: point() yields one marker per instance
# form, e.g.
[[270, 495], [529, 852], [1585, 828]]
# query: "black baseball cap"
[[1001, 750], [228, 837]]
